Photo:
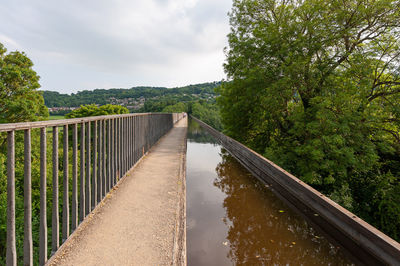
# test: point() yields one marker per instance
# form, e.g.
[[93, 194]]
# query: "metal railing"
[[106, 146]]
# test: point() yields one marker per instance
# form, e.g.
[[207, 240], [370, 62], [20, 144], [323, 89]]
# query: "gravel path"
[[142, 220]]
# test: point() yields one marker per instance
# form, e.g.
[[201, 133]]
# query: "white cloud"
[[126, 43]]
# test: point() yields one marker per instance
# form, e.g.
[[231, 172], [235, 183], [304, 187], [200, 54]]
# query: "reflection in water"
[[235, 220], [197, 134], [262, 230]]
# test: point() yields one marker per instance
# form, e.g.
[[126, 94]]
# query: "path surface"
[[142, 221]]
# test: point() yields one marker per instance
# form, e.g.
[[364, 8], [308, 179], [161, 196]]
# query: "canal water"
[[233, 219]]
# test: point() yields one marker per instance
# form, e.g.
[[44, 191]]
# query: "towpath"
[[142, 220]]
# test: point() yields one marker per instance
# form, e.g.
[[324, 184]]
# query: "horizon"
[[134, 87]]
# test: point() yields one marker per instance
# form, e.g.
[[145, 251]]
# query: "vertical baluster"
[[94, 176], [55, 243], [28, 244], [119, 147], [65, 218], [136, 141], [104, 160], [109, 154], [133, 139], [146, 131], [121, 158], [82, 181], [115, 150], [88, 169], [127, 144], [128, 158], [130, 142], [100, 171], [112, 157], [43, 184], [141, 136], [127, 164], [106, 169], [11, 253], [74, 223], [124, 144]]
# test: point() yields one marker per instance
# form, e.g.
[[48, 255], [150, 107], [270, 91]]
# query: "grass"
[[56, 117]]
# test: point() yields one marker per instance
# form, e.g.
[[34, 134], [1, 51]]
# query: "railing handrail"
[[62, 122], [108, 147]]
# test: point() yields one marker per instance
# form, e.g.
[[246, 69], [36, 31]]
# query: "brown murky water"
[[233, 219]]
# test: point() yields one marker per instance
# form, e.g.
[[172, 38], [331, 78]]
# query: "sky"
[[89, 44]]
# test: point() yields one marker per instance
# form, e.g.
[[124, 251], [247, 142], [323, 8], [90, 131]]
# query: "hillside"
[[133, 98]]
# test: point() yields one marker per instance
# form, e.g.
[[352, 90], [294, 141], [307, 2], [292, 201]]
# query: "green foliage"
[[315, 88], [176, 108], [102, 96], [20, 100], [93, 110], [208, 113]]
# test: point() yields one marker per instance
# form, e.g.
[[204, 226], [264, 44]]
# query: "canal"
[[233, 219]]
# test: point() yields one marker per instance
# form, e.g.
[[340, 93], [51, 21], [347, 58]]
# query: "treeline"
[[103, 96]]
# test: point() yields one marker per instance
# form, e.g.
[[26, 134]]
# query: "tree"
[[20, 100], [176, 108], [94, 110], [315, 88]]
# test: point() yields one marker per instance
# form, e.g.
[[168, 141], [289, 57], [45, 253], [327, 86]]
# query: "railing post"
[[100, 170], [112, 153], [109, 155], [11, 253], [55, 219], [74, 223], [28, 244], [94, 175], [65, 215], [119, 148], [88, 168], [104, 160], [115, 150], [43, 187], [82, 180], [124, 146]]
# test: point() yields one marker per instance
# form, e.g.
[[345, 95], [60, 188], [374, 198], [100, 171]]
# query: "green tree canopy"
[[94, 110], [20, 100], [176, 108], [315, 88]]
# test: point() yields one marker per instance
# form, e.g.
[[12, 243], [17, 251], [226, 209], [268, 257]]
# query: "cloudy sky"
[[88, 44]]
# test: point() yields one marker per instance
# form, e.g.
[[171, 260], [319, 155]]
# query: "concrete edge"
[[367, 243], [86, 221], [179, 248]]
